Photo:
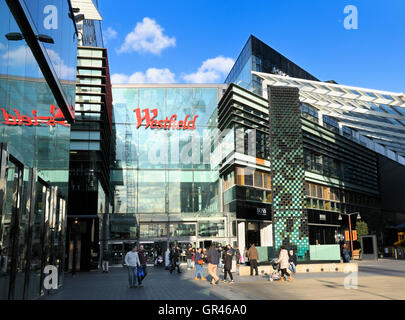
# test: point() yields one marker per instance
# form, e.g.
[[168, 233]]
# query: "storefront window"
[[215, 228], [182, 230]]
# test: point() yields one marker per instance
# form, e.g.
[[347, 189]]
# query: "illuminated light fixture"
[[358, 216], [340, 217]]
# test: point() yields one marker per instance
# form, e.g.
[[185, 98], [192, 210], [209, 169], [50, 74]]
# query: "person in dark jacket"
[[228, 257], [237, 256], [142, 259], [175, 254], [106, 260], [293, 261], [213, 260]]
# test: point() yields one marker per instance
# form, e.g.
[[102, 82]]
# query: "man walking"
[[175, 259], [132, 261], [142, 261], [253, 256], [213, 261], [228, 257], [106, 261]]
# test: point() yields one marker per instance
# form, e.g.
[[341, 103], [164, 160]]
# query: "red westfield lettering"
[[17, 119], [166, 124]]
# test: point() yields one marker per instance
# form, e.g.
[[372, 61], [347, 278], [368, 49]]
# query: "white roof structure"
[[87, 8], [377, 115]]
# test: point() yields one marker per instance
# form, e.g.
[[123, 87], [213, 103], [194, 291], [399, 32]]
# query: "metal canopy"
[[87, 8], [375, 114]]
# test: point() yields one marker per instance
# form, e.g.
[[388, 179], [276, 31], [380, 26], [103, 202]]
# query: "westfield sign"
[[168, 123], [18, 119]]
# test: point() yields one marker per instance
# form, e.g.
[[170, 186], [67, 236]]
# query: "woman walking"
[[283, 259], [228, 257], [199, 262]]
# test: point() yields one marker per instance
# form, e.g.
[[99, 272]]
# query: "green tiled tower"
[[290, 221]]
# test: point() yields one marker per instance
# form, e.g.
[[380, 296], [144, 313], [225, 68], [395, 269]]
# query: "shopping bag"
[[140, 272]]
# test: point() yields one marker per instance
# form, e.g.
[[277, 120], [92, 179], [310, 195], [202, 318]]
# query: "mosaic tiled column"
[[290, 221]]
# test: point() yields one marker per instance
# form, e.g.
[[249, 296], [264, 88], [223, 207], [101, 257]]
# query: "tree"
[[362, 228]]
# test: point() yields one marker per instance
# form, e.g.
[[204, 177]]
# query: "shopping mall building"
[[272, 157]]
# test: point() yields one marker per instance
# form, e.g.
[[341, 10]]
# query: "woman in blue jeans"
[[199, 262]]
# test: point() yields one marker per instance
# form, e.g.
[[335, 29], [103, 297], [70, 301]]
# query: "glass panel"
[[5, 248], [182, 230], [211, 228], [258, 179]]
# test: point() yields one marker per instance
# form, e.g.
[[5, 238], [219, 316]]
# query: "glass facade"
[[34, 144], [167, 179], [258, 56]]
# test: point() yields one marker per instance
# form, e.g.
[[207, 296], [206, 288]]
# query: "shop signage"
[[16, 118], [261, 211], [168, 123]]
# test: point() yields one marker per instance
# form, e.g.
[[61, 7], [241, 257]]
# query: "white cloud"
[[152, 75], [147, 36], [22, 55], [212, 70], [109, 34], [18, 56], [62, 70]]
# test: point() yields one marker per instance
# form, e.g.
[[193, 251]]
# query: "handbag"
[[140, 272], [200, 262]]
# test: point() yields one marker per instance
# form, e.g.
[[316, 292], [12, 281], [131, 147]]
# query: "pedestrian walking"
[[175, 254], [293, 261], [220, 252], [237, 256], [189, 257], [283, 259], [132, 262], [346, 255], [106, 261], [228, 257], [193, 257], [142, 254], [213, 260], [167, 259], [253, 256], [199, 263]]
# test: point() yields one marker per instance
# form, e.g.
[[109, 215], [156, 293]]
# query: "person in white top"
[[167, 258], [283, 260], [132, 261]]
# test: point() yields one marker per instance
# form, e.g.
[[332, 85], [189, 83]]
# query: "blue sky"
[[197, 40]]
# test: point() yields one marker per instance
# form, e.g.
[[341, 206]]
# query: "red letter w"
[[147, 117]]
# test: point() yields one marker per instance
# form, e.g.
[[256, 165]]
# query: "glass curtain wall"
[[35, 145], [163, 176]]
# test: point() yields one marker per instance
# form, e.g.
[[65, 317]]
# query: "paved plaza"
[[383, 279]]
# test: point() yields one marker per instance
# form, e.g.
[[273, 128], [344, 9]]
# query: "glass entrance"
[[34, 284], [9, 227]]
